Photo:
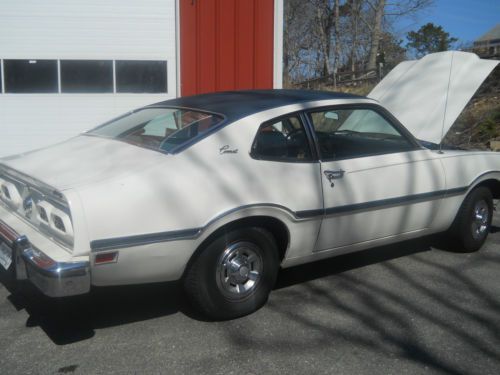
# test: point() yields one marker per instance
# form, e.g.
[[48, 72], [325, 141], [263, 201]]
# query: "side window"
[[282, 140], [161, 126], [354, 133]]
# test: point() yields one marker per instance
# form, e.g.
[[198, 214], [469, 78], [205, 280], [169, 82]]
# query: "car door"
[[377, 181]]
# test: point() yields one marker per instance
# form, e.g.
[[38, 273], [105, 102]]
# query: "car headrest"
[[271, 144]]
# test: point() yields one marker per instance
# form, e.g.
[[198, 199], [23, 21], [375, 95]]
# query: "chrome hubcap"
[[480, 219], [239, 269]]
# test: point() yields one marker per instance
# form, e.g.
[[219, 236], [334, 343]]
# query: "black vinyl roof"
[[235, 105]]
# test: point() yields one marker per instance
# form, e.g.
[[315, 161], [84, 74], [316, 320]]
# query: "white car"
[[221, 190]]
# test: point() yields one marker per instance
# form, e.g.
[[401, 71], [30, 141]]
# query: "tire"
[[234, 274], [473, 221]]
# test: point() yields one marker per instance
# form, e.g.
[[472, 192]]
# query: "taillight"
[[10, 194]]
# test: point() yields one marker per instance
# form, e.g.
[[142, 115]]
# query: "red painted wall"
[[226, 45]]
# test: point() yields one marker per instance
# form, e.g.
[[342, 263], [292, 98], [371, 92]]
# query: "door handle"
[[334, 175]]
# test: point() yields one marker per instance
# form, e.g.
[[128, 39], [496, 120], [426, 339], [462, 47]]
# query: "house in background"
[[488, 45], [67, 66]]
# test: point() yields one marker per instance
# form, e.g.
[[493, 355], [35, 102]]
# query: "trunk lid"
[[82, 160]]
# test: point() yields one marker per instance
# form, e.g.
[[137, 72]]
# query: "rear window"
[[161, 129]]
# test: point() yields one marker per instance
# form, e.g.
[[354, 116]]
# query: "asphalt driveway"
[[403, 309]]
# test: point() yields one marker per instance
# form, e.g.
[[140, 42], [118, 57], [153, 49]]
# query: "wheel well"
[[493, 185], [276, 227]]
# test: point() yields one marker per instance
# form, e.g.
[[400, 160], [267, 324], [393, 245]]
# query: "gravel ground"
[[403, 309]]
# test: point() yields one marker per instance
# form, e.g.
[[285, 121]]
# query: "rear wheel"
[[234, 274], [473, 221]]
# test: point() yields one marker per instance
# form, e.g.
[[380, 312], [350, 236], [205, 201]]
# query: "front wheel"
[[473, 222], [234, 274]]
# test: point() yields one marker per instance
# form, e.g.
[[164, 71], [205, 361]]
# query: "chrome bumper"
[[54, 279]]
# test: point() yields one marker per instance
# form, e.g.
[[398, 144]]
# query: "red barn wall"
[[226, 45]]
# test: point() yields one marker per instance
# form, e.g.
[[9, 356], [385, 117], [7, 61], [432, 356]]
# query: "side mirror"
[[331, 115]]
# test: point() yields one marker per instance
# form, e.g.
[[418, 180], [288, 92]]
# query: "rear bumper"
[[54, 279]]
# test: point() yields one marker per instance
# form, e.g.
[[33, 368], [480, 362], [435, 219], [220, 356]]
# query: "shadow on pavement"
[[342, 263], [433, 310], [74, 319]]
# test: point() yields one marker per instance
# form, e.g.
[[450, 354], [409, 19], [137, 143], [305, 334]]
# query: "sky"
[[466, 20]]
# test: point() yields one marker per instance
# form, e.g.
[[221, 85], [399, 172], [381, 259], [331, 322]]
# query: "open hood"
[[428, 95]]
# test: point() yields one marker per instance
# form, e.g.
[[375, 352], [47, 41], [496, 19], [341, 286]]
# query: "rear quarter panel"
[[199, 188]]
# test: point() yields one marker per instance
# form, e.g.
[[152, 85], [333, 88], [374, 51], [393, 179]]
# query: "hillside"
[[478, 126]]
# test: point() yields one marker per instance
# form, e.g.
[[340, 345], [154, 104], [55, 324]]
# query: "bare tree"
[[339, 38], [376, 31], [299, 43], [354, 30], [382, 9], [336, 58], [324, 23]]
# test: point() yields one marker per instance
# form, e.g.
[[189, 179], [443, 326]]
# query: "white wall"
[[79, 29]]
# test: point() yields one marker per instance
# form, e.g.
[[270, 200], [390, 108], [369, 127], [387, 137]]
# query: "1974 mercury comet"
[[221, 190]]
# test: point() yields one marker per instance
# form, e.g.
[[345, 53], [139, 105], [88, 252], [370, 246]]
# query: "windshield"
[[161, 129]]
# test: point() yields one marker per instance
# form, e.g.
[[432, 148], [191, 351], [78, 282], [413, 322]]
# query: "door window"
[[284, 139], [353, 133]]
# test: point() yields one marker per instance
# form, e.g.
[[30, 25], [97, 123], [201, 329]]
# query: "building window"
[[141, 76], [86, 76], [31, 76]]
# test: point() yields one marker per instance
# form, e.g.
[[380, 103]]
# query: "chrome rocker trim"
[[54, 279]]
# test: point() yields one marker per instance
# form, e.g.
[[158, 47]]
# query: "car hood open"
[[428, 95], [82, 160]]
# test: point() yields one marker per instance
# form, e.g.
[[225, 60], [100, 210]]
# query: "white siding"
[[79, 29]]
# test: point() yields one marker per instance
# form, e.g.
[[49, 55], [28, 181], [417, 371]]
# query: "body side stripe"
[[193, 233]]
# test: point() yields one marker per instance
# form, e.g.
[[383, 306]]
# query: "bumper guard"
[[54, 279]]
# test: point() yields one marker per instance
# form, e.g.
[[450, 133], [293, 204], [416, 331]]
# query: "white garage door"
[[68, 66]]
